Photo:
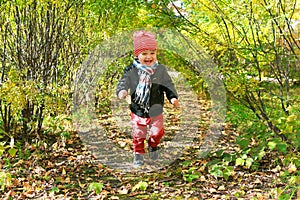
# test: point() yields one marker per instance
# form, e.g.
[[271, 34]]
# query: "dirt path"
[[182, 128], [100, 156]]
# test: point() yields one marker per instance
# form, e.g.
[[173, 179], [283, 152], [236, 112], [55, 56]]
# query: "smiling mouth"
[[148, 61]]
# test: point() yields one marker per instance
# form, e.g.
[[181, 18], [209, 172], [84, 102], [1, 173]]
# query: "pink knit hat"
[[143, 41]]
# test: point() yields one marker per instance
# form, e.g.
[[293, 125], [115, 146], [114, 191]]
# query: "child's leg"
[[156, 130], [139, 133]]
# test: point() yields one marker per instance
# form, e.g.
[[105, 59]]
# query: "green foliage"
[[37, 62], [256, 141], [259, 136], [249, 44], [142, 186], [5, 179], [221, 171], [191, 174], [221, 164], [107, 82], [188, 71], [9, 148], [291, 190], [96, 187], [58, 125], [54, 190]]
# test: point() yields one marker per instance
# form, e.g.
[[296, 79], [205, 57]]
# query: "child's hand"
[[122, 94], [175, 102]]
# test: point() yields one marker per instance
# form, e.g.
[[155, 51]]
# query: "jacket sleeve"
[[124, 82], [168, 85]]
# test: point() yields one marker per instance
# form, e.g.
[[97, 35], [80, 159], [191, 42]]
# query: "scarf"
[[142, 92]]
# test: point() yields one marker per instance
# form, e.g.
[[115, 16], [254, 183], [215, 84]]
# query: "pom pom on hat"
[[142, 41]]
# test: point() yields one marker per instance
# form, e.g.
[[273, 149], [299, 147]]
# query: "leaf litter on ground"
[[69, 171]]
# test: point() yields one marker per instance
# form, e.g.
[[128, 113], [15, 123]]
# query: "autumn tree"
[[38, 54], [256, 47]]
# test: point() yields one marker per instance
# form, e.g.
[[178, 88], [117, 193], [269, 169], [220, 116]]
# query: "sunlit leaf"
[[272, 145], [97, 187], [140, 186], [239, 162], [249, 162], [12, 152]]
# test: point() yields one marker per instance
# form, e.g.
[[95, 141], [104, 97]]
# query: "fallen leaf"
[[82, 185], [222, 188], [212, 190], [64, 171], [292, 168], [123, 190]]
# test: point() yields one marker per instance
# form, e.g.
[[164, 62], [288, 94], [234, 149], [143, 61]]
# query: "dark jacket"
[[161, 83]]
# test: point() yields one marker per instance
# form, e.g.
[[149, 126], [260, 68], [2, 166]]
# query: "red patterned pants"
[[139, 133]]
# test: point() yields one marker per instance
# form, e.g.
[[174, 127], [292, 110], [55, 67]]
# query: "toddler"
[[147, 81]]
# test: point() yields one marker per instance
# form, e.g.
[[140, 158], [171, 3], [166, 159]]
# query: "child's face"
[[147, 57]]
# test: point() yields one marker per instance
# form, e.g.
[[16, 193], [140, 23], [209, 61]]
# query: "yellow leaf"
[[81, 185], [222, 188], [64, 171], [68, 180], [292, 168], [291, 118], [123, 190]]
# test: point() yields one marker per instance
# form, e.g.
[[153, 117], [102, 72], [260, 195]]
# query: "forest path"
[[101, 155], [111, 142]]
